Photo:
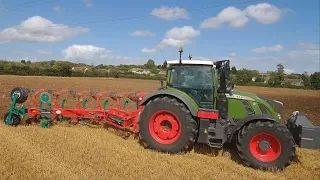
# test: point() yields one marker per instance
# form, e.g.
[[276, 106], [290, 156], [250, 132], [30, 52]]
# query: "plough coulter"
[[195, 106]]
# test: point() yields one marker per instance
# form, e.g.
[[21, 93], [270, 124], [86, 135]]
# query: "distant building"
[[162, 73], [295, 82], [265, 77], [78, 69], [139, 71]]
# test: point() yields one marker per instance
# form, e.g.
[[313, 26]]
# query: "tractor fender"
[[249, 119], [163, 92]]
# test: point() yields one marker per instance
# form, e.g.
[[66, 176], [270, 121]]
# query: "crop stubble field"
[[90, 152]]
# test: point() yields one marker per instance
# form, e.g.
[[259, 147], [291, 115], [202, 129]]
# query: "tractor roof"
[[196, 62]]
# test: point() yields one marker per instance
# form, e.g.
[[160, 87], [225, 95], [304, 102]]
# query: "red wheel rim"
[[271, 150], [164, 127]]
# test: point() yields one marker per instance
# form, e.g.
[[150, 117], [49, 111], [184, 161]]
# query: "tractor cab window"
[[194, 80]]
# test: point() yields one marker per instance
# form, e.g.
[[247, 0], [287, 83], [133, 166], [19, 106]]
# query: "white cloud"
[[88, 3], [289, 71], [264, 49], [185, 32], [309, 46], [85, 52], [142, 33], [236, 18], [174, 42], [264, 13], [43, 52], [147, 50], [57, 9], [97, 55], [177, 36], [170, 14], [39, 29], [233, 54]]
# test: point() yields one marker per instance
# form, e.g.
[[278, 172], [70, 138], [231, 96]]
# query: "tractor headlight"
[[279, 116]]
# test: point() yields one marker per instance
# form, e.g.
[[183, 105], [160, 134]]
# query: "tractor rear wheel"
[[265, 145], [166, 125]]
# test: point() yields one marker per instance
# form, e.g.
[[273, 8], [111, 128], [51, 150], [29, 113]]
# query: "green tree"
[[63, 68], [150, 64], [244, 76], [100, 66], [306, 79], [234, 70], [315, 80], [28, 62], [23, 61], [52, 63], [293, 76], [259, 79], [279, 75]]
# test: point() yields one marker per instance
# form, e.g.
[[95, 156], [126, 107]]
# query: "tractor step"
[[306, 135], [212, 133]]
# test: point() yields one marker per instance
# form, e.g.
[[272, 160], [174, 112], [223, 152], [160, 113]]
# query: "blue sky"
[[255, 35]]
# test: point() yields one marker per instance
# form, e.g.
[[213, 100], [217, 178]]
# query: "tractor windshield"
[[194, 80]]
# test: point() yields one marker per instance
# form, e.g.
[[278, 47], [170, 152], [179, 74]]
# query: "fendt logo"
[[235, 96]]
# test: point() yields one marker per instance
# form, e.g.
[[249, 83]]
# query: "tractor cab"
[[195, 78], [199, 79]]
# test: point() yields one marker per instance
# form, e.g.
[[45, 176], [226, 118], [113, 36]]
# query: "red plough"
[[47, 106]]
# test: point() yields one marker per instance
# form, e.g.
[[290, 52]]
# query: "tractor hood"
[[276, 105]]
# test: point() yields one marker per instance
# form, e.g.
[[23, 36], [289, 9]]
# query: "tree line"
[[274, 78], [64, 68]]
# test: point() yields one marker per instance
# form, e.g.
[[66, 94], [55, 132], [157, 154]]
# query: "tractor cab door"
[[196, 81]]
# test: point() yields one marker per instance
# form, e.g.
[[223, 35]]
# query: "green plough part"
[[124, 106], [105, 102], [15, 110], [44, 121], [83, 104]]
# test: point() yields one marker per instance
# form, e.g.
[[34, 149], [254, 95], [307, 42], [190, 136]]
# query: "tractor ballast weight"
[[193, 107], [306, 135]]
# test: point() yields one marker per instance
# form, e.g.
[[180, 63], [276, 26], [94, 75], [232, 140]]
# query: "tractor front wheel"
[[166, 125], [265, 145]]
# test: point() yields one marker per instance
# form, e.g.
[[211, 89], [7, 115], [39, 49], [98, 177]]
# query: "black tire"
[[188, 125], [15, 119], [278, 133], [22, 92]]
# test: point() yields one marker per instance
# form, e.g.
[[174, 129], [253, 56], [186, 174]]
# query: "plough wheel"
[[23, 94], [15, 119], [166, 125], [265, 144]]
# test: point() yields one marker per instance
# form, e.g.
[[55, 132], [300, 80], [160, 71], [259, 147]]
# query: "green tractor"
[[198, 106]]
